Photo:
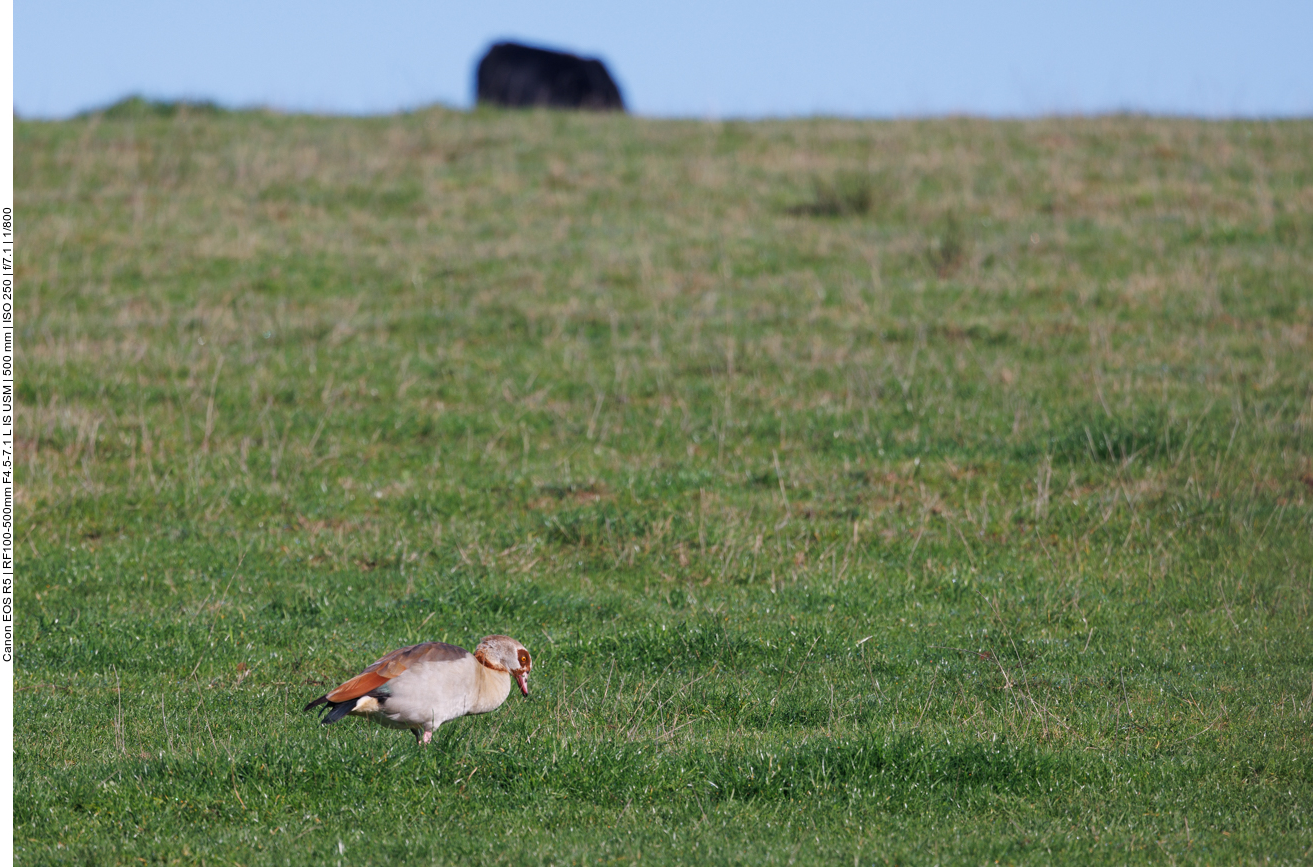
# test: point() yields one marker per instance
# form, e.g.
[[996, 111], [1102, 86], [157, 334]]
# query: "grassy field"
[[873, 492]]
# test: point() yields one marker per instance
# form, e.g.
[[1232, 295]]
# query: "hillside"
[[900, 492]]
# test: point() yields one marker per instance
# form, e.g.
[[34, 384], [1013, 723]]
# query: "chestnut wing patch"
[[394, 664], [357, 686]]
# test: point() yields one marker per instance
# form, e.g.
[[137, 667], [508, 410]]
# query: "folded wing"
[[392, 665]]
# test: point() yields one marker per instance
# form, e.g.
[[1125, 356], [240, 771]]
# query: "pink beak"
[[522, 678]]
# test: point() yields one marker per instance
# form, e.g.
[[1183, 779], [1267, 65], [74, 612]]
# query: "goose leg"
[[428, 735]]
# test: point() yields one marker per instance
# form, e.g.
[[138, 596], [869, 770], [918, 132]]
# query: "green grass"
[[967, 517]]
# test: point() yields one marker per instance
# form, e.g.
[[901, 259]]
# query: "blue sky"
[[679, 58]]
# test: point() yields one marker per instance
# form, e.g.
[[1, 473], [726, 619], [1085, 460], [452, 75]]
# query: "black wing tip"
[[338, 710], [335, 709]]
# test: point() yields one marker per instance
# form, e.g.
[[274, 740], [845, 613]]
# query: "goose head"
[[503, 653]]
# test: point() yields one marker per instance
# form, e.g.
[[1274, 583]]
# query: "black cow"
[[523, 77]]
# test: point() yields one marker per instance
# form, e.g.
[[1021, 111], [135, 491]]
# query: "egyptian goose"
[[421, 687]]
